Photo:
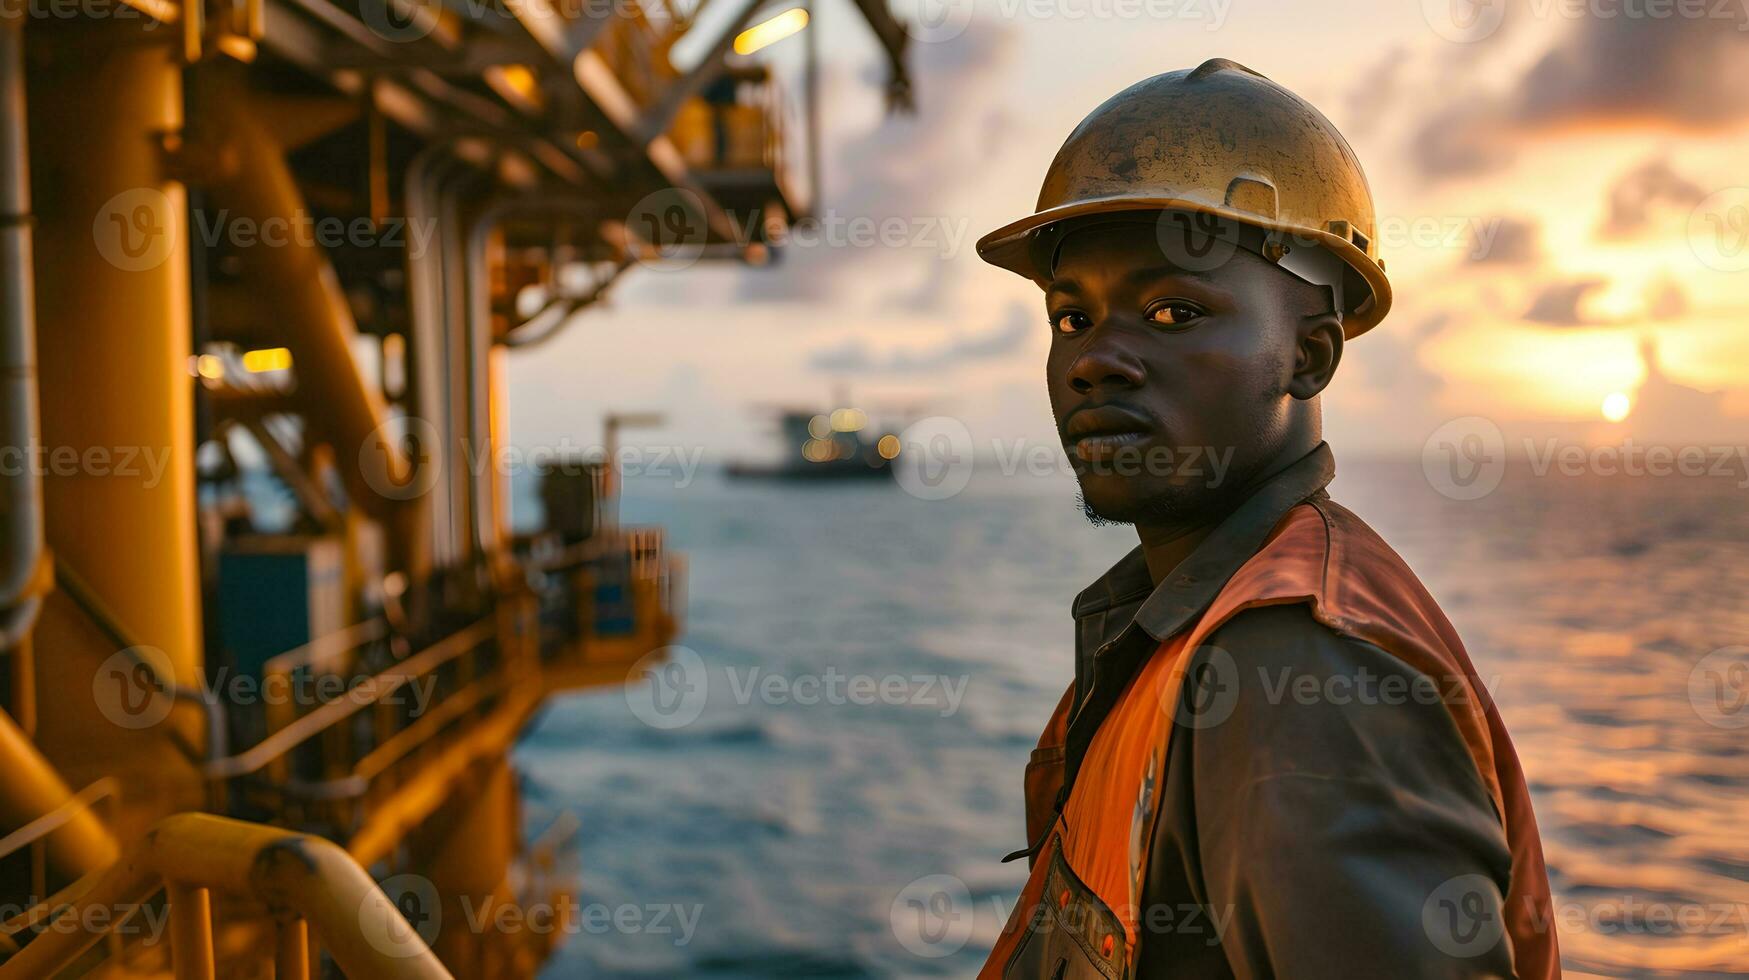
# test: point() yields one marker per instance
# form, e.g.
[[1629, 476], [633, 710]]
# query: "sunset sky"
[[1556, 187]]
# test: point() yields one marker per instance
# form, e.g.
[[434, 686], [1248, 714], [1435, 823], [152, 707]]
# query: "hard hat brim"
[[1011, 246]]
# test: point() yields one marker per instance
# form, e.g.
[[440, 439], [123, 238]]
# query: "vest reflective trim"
[[1324, 556]]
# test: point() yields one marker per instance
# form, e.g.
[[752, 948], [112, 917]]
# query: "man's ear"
[[1320, 350]]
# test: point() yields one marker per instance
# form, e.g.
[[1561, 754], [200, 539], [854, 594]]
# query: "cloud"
[[1672, 71], [1558, 303], [1680, 68], [1665, 300], [1635, 193], [909, 169], [854, 357], [1513, 241], [1432, 324], [1375, 92], [1461, 140]]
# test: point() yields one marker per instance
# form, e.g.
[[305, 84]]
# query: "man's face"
[[1169, 386]]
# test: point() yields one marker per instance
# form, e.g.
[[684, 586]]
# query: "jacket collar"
[[1120, 640], [1192, 586]]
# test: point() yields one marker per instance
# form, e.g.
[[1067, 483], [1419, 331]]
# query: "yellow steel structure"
[[283, 250], [304, 884]]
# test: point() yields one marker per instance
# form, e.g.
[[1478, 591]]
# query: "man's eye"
[[1174, 314], [1069, 322]]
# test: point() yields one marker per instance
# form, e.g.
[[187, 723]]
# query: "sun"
[[1616, 406]]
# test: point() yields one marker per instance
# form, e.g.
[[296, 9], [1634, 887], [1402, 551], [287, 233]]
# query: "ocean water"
[[872, 670]]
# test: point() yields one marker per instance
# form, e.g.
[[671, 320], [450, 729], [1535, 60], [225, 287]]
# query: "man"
[[1276, 759]]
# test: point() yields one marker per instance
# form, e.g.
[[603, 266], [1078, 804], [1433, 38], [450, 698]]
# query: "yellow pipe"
[[293, 875], [291, 951], [113, 313], [191, 931], [33, 788], [295, 288]]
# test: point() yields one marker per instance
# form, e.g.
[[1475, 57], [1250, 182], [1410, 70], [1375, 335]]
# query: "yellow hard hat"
[[1233, 149]]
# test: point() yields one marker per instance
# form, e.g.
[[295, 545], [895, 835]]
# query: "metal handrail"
[[317, 653], [48, 823], [361, 695], [36, 832], [303, 881], [85, 597]]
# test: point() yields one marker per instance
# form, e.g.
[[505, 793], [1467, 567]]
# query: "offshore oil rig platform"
[[300, 238]]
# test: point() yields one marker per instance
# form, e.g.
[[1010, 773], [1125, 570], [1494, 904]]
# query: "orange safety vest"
[[1322, 555]]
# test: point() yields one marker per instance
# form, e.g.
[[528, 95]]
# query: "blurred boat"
[[836, 444]]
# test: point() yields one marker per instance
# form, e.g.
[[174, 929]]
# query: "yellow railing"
[[305, 884], [406, 708]]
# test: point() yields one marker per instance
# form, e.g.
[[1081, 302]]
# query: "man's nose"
[[1105, 362]]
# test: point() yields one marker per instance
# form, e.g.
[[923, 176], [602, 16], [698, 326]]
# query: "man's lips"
[[1099, 432]]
